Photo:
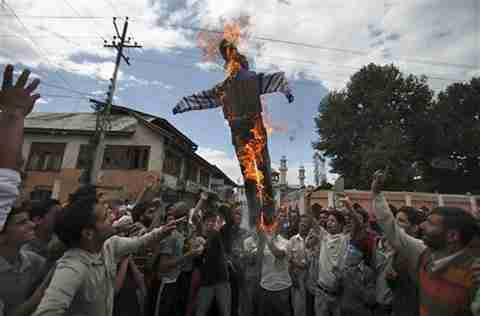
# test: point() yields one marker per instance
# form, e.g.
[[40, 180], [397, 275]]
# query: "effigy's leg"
[[241, 136], [264, 166]]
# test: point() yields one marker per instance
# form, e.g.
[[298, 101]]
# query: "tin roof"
[[77, 122]]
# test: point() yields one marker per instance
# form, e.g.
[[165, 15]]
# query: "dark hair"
[[84, 192], [169, 206], [77, 216], [393, 209], [209, 214], [42, 207], [306, 216], [458, 219], [24, 207], [357, 206], [414, 216], [363, 213], [138, 211], [339, 216]]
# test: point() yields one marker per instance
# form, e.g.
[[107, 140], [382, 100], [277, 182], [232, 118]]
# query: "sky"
[[319, 45]]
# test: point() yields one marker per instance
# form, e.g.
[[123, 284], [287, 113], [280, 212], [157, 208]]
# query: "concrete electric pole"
[[119, 42]]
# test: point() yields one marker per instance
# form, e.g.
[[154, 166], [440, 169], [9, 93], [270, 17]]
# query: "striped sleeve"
[[199, 101], [276, 82]]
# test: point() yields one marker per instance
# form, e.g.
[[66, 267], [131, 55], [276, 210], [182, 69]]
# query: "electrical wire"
[[63, 96], [67, 38], [264, 38], [36, 44]]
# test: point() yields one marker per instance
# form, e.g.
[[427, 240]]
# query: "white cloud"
[[98, 92], [94, 70], [43, 101], [229, 165], [132, 81], [435, 37], [208, 66]]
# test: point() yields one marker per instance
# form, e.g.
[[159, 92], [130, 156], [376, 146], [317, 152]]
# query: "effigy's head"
[[230, 53], [227, 49]]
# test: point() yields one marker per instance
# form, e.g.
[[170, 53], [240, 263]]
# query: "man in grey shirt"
[[84, 279], [20, 270]]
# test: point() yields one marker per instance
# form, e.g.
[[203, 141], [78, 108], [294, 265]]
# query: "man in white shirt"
[[297, 255], [275, 280], [333, 247]]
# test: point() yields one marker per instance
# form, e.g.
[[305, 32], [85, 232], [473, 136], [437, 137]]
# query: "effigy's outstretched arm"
[[203, 100], [209, 99], [276, 82]]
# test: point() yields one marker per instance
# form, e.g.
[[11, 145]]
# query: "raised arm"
[[120, 247], [16, 102], [407, 246]]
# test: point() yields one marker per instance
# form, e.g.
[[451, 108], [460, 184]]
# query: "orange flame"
[[250, 157], [234, 32], [267, 120], [268, 228]]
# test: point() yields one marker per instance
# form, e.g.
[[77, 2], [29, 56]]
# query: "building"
[[140, 148]]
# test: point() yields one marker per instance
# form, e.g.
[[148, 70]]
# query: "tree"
[[374, 123], [454, 137]]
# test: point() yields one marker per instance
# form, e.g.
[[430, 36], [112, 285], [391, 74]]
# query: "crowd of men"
[[88, 257]]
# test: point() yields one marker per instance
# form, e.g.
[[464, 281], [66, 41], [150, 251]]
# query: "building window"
[[172, 164], [191, 171], [204, 178], [85, 156], [46, 156], [126, 157]]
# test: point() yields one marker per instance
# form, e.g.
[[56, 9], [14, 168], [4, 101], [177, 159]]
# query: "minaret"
[[323, 170], [283, 171], [316, 169], [301, 176]]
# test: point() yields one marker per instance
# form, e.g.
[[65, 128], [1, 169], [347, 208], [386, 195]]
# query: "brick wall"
[[132, 181]]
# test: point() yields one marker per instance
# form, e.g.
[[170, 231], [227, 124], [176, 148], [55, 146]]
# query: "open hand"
[[204, 196], [168, 228], [18, 97], [378, 181]]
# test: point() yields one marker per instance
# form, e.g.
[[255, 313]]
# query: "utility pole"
[[119, 42]]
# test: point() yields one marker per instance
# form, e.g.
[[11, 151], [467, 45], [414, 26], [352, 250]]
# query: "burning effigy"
[[239, 97]]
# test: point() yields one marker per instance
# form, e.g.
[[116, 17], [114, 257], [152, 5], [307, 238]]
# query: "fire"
[[235, 32], [268, 228], [267, 120], [250, 158]]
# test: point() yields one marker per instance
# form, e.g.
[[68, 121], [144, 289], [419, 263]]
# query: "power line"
[[322, 47], [112, 6], [59, 17], [78, 14], [65, 88], [296, 60], [280, 41], [36, 44], [63, 96]]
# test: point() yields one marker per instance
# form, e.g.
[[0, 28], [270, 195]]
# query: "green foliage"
[[385, 118]]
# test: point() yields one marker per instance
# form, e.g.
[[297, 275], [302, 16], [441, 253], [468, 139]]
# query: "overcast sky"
[[319, 44]]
